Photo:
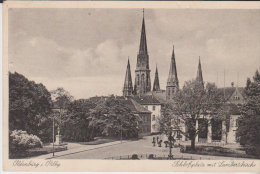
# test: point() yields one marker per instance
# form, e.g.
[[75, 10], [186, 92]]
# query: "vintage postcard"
[[131, 86]]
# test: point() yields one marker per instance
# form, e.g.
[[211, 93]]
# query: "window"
[[153, 118], [142, 79], [153, 126], [153, 108], [236, 97], [138, 79]]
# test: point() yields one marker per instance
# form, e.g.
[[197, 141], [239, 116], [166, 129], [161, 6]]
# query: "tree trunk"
[[193, 143]]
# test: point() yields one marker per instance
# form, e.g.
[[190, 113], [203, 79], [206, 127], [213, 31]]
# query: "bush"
[[135, 157], [151, 156], [252, 150], [20, 141]]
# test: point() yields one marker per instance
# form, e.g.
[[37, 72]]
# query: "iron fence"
[[158, 157]]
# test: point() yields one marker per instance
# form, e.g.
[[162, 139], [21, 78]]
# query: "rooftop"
[[146, 100]]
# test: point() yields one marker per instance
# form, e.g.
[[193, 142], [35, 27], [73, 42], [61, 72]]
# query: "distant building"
[[142, 112], [154, 106], [235, 98]]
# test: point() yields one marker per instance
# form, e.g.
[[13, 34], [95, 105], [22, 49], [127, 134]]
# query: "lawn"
[[37, 151]]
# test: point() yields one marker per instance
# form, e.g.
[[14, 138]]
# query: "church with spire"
[[142, 81], [142, 71], [152, 98]]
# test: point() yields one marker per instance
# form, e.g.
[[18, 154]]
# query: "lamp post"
[[171, 141], [121, 133], [53, 135]]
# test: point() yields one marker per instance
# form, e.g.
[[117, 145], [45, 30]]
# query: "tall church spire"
[[172, 82], [143, 43], [199, 77], [128, 86], [142, 71], [156, 84]]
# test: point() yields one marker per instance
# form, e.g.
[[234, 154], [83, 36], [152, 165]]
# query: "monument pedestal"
[[58, 140]]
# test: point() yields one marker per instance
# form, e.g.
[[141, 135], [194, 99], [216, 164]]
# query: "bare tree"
[[191, 103]]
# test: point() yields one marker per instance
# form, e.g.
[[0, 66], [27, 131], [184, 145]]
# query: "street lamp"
[[171, 140], [53, 134], [121, 133]]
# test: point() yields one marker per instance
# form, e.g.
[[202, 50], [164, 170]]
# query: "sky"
[[85, 51]]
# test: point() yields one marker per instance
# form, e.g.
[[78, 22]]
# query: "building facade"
[[154, 106]]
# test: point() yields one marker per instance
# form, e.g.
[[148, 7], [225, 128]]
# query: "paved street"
[[143, 146]]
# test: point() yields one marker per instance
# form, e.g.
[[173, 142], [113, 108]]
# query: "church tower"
[[172, 82], [199, 77], [156, 84], [128, 86], [142, 71]]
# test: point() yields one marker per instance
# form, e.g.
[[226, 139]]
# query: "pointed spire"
[[173, 77], [199, 77], [172, 83], [128, 87], [156, 84], [143, 43]]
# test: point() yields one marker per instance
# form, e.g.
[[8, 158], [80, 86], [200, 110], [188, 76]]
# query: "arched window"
[[138, 80], [142, 78]]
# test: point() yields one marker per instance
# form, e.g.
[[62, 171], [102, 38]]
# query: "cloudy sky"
[[86, 50]]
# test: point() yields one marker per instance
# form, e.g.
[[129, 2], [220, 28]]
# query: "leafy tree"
[[60, 102], [61, 98], [188, 105], [249, 122], [77, 121], [112, 117], [29, 106]]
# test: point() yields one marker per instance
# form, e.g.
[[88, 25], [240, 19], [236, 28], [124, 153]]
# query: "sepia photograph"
[[175, 84]]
